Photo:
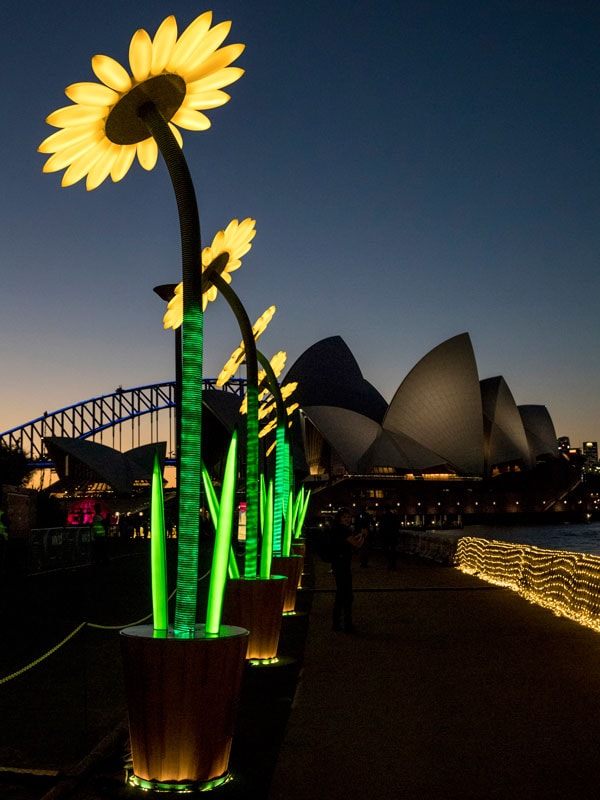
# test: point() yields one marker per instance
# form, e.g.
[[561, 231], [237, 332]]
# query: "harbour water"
[[577, 538]]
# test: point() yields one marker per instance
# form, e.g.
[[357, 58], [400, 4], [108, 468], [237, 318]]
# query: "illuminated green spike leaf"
[[266, 556], [222, 546], [298, 501], [302, 515], [158, 552], [213, 508], [287, 536]]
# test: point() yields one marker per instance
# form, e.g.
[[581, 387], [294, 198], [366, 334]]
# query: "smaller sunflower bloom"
[[239, 354], [102, 132], [233, 242]]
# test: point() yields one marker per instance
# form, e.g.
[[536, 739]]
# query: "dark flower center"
[[124, 126]]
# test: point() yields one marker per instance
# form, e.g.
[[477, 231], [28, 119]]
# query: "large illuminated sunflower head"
[[239, 354], [102, 132], [234, 242]]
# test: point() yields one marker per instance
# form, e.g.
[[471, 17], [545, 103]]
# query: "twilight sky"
[[417, 169]]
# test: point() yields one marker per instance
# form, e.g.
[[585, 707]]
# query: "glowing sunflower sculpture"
[[233, 242], [102, 132], [239, 354]]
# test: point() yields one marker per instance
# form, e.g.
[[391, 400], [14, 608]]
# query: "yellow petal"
[[288, 389], [101, 169], [163, 44], [81, 166], [123, 162], [111, 73], [176, 133], [220, 59], [261, 323], [68, 155], [191, 120], [188, 40], [147, 153], [267, 429], [67, 137], [203, 49], [140, 55], [70, 116], [271, 448], [91, 94], [204, 100], [216, 80]]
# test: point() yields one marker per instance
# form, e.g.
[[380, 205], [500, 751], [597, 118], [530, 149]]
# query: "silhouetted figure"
[[343, 542], [362, 527]]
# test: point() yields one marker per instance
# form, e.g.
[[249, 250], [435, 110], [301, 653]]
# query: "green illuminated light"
[[222, 545], [179, 788], [158, 552], [266, 556]]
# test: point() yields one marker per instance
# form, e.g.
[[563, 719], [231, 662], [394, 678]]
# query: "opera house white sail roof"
[[442, 418]]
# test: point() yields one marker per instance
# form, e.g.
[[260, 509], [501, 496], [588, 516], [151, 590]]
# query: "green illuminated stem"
[[222, 544], [191, 373], [158, 552], [281, 455], [252, 477]]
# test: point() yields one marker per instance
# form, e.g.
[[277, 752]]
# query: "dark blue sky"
[[416, 170]]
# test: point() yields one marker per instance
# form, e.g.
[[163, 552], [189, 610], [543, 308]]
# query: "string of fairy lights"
[[567, 583]]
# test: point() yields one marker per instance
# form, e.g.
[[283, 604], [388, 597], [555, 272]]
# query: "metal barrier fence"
[[57, 548]]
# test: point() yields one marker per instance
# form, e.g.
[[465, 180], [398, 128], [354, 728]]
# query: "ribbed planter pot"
[[291, 567], [299, 549], [256, 604], [182, 698]]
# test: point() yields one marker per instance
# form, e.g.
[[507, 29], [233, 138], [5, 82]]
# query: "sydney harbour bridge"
[[123, 420]]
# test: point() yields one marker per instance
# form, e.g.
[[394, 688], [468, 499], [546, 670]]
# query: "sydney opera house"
[[447, 445]]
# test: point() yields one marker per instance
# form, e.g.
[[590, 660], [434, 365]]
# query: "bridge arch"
[[123, 419]]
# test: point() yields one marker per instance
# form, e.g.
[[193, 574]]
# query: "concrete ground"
[[452, 689]]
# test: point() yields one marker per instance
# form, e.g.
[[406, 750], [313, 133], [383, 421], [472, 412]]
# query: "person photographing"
[[344, 541]]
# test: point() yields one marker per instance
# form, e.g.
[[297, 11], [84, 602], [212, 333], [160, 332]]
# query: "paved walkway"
[[451, 690]]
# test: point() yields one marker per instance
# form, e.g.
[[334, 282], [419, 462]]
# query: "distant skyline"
[[416, 170]]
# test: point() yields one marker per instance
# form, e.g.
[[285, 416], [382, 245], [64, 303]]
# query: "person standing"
[[343, 543]]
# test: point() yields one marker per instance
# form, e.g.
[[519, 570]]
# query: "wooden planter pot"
[[299, 549], [256, 604], [182, 697], [291, 567]]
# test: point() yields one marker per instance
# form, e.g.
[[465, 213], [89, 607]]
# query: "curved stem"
[[189, 490], [252, 480]]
